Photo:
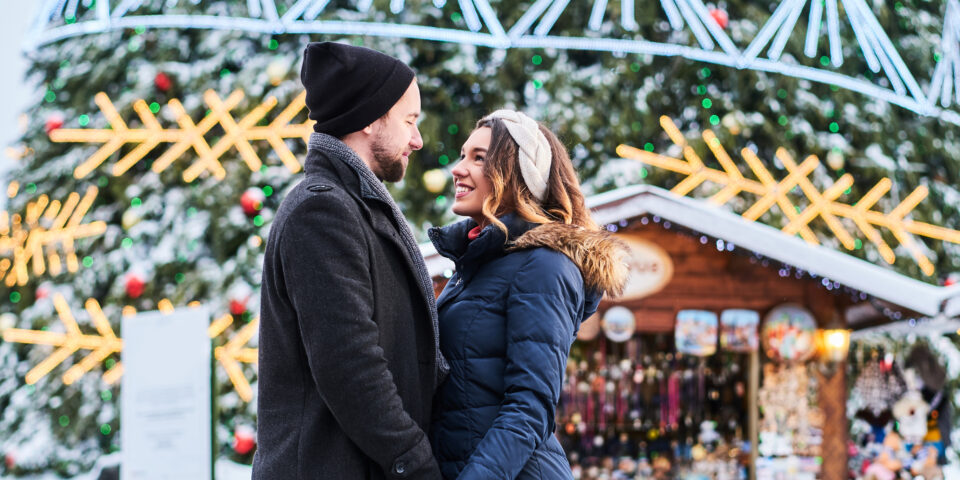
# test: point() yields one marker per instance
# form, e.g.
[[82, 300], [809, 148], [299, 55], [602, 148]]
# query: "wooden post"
[[833, 403], [753, 409]]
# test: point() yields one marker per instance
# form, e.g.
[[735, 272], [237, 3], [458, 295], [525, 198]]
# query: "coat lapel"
[[386, 228], [379, 216]]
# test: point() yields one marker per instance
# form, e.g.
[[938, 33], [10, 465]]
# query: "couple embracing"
[[363, 374]]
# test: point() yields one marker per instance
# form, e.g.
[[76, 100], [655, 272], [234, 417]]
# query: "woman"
[[530, 266]]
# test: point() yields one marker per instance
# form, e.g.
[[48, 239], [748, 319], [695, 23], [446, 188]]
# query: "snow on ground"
[[225, 470]]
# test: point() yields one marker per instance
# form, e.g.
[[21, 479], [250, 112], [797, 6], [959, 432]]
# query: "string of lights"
[[106, 343], [804, 207], [59, 20]]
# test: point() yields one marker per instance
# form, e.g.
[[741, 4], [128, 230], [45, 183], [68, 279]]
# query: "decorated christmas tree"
[[156, 157]]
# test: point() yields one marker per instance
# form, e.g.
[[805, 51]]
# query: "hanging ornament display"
[[789, 334], [696, 332], [135, 285], [434, 180], [162, 82], [911, 414], [791, 421], [721, 17], [54, 121], [276, 71], [619, 324], [874, 393], [244, 439], [708, 432], [738, 330], [252, 201], [590, 328]]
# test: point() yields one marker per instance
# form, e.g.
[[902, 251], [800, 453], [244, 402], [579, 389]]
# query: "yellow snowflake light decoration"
[[770, 191], [230, 355], [238, 134], [235, 351], [102, 345], [45, 225]]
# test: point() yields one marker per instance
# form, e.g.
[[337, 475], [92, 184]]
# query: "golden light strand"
[[190, 135], [771, 191]]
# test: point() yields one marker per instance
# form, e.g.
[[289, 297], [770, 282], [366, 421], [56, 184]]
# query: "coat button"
[[400, 468]]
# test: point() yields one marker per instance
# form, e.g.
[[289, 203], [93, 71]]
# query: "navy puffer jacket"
[[507, 319]]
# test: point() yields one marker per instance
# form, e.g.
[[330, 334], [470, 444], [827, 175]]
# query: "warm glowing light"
[[770, 192], [25, 239], [231, 355], [237, 135], [235, 352], [165, 306], [219, 325], [836, 339], [102, 345], [835, 344]]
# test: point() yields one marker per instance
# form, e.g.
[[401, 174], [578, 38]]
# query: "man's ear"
[[368, 129]]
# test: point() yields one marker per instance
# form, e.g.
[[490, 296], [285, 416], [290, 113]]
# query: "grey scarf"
[[371, 186]]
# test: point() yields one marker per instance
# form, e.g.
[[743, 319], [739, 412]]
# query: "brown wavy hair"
[[563, 202]]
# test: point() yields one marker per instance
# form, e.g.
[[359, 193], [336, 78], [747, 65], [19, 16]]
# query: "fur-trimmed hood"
[[601, 258]]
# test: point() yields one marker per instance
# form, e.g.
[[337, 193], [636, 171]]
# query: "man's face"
[[396, 136]]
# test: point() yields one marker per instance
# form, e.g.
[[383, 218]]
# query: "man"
[[348, 335]]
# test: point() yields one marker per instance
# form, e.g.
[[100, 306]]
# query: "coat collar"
[[323, 162], [321, 158], [600, 257], [451, 241]]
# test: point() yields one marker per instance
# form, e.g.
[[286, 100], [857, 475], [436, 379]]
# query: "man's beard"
[[387, 164]]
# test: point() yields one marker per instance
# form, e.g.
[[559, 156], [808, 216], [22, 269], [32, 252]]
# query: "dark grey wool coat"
[[347, 354]]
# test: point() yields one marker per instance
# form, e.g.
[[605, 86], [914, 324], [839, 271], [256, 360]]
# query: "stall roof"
[[698, 215]]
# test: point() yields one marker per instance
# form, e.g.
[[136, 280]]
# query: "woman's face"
[[472, 187]]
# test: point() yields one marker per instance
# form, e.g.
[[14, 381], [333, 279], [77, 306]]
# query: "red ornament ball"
[[135, 286], [244, 439], [252, 201], [10, 461], [162, 82], [238, 306], [721, 17], [54, 121], [951, 280], [42, 292]]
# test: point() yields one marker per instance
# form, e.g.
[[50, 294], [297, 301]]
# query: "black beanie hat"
[[350, 87]]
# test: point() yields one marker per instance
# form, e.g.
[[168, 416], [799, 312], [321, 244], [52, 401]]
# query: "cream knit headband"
[[535, 155]]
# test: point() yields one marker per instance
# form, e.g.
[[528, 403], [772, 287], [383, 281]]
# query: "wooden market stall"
[[692, 264]]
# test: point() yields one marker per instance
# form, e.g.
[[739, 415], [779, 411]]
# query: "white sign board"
[[650, 268], [165, 424]]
